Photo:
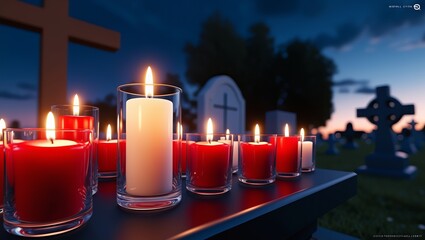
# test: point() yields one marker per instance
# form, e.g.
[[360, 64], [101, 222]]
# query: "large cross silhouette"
[[225, 108], [384, 111], [56, 29]]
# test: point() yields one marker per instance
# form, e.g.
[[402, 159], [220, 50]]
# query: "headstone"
[[56, 28], [406, 143], [349, 134], [384, 111], [332, 149], [222, 101], [417, 136], [276, 120]]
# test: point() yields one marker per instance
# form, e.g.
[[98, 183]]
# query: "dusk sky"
[[373, 43]]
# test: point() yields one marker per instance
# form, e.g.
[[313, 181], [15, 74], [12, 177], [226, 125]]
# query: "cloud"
[[308, 8], [345, 33], [15, 96], [365, 90], [26, 86], [349, 82]]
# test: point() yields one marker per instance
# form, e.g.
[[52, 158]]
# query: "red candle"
[[209, 164], [74, 122], [257, 160], [107, 153], [287, 161], [182, 152], [49, 179]]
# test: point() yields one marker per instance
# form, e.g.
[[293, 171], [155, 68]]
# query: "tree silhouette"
[[306, 83]]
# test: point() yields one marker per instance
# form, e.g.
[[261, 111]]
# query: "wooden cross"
[[225, 108], [56, 28], [384, 111]]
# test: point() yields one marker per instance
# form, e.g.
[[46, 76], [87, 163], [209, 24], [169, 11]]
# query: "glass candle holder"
[[107, 158], [308, 153], [1, 171], [86, 118], [288, 152], [209, 163], [147, 178], [48, 187], [179, 154], [257, 159]]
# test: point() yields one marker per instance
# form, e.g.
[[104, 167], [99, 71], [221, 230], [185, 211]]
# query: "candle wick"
[[51, 140]]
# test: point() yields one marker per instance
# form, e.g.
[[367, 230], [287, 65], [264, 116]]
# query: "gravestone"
[[406, 143], [56, 28], [332, 149], [349, 135], [417, 136], [222, 101], [276, 120], [384, 111]]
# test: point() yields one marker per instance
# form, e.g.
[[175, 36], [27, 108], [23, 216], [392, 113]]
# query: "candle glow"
[[50, 127], [2, 126], [76, 106], [227, 134], [257, 133], [209, 130], [149, 83], [302, 134], [108, 132], [286, 130]]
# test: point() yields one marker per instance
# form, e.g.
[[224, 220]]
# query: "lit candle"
[[149, 149], [209, 161], [107, 155], [75, 121], [257, 158], [287, 161], [49, 176], [306, 152], [235, 149], [2, 126]]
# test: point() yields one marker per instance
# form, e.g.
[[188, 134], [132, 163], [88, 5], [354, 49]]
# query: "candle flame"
[[76, 106], [209, 130], [179, 131], [108, 132], [2, 126], [149, 83], [227, 134], [286, 130], [302, 134], [257, 133], [50, 127]]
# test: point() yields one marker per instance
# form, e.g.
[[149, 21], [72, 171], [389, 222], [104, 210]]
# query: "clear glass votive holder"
[[308, 153], [148, 173], [209, 163], [257, 164], [48, 188], [179, 154], [87, 117], [288, 152], [107, 158]]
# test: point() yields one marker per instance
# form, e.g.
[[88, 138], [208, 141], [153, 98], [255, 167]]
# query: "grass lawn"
[[382, 205]]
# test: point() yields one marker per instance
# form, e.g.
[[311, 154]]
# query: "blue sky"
[[372, 43]]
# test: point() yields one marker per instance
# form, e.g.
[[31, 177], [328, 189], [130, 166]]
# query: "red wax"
[[257, 160], [49, 180], [74, 122], [287, 155], [182, 152], [107, 156], [209, 164]]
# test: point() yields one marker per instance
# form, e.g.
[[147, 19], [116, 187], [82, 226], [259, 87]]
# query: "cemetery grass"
[[382, 206]]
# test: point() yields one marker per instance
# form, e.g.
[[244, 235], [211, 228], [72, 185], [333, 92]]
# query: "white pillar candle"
[[306, 154], [149, 149]]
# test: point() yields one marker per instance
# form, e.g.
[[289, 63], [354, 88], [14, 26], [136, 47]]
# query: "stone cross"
[[225, 108], [418, 136], [56, 29], [384, 111]]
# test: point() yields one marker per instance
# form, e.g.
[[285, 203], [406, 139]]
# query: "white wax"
[[149, 146], [306, 154]]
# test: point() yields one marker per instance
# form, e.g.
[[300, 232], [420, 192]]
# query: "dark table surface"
[[285, 206]]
